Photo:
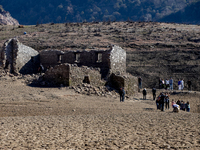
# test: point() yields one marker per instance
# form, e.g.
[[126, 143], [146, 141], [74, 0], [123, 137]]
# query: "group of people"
[[168, 84], [162, 100], [180, 105]]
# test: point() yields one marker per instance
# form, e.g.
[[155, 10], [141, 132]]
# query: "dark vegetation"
[[154, 49], [31, 12]]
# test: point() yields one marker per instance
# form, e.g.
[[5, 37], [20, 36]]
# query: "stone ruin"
[[18, 58], [87, 80], [95, 68], [108, 61], [72, 75]]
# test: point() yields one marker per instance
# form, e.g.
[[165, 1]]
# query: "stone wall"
[[58, 75], [127, 81], [111, 60], [81, 58], [72, 75], [50, 58], [131, 84], [79, 74], [19, 58], [90, 59], [117, 60]]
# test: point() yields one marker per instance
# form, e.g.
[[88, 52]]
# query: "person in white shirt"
[[182, 84], [167, 84]]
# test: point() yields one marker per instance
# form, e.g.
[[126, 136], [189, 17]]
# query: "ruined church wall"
[[77, 75], [19, 58], [72, 75], [27, 59], [90, 59], [5, 53], [126, 81], [117, 60], [50, 58], [109, 61], [131, 84], [58, 75], [87, 58]]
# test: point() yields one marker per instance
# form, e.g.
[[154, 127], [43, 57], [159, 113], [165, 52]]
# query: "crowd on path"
[[168, 84], [163, 101]]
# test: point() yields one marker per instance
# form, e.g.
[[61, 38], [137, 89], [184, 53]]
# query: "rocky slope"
[[61, 11], [6, 18]]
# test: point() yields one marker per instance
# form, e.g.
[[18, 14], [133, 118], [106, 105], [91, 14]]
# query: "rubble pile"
[[84, 88], [88, 89], [27, 79]]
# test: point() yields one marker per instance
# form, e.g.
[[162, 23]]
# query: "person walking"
[[189, 83], [41, 69], [160, 83], [166, 101], [139, 84], [167, 84], [144, 93], [154, 93], [182, 84], [171, 84], [163, 83], [179, 84], [158, 101], [122, 94], [162, 101]]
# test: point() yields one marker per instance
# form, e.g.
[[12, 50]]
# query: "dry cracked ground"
[[59, 118]]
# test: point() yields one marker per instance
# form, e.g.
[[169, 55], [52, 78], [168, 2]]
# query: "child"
[[175, 108], [187, 106], [173, 102]]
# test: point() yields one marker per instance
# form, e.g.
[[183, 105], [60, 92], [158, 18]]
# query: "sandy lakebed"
[[59, 118]]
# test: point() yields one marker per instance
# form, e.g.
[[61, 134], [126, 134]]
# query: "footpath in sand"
[[59, 118]]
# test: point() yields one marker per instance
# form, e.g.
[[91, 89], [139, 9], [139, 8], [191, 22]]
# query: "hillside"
[[190, 14], [154, 50], [6, 18], [30, 12]]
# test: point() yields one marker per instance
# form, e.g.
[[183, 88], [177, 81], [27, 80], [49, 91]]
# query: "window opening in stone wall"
[[99, 57], [77, 57], [32, 59], [86, 80], [59, 59]]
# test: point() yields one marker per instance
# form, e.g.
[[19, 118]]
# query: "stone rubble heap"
[[88, 89], [27, 79], [84, 88]]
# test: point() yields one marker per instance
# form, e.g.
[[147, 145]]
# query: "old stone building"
[[70, 68], [109, 61], [18, 58], [96, 67]]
